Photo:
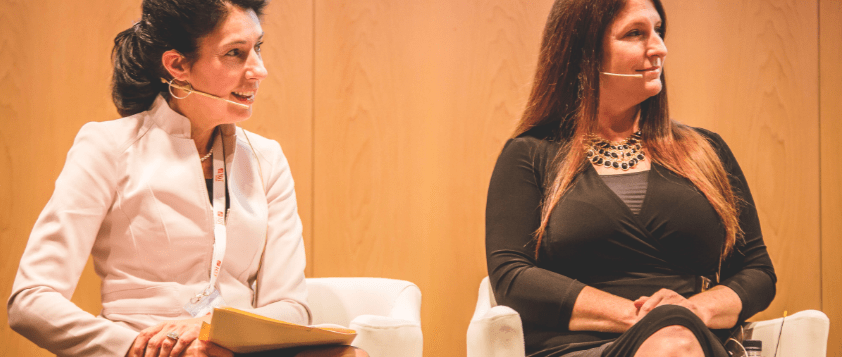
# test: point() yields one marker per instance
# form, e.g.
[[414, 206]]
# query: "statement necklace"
[[622, 156]]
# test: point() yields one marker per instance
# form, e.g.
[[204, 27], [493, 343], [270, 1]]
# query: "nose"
[[254, 66], [657, 48]]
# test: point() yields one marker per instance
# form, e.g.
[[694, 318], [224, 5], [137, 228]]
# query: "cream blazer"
[[132, 194]]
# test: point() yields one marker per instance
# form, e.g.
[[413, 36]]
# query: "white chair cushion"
[[386, 313]]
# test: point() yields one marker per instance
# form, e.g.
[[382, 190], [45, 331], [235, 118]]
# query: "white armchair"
[[386, 313], [496, 331]]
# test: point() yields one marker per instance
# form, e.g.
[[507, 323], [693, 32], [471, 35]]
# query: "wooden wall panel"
[[55, 73], [413, 102], [54, 76], [749, 71], [284, 107], [831, 167]]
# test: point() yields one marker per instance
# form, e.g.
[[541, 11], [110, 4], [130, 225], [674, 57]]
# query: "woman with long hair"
[[612, 229], [181, 210]]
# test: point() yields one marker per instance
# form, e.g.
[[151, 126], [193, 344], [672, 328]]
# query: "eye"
[[235, 52], [660, 31], [257, 47], [633, 33]]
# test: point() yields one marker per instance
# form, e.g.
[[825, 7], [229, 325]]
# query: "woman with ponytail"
[[181, 210], [610, 228]]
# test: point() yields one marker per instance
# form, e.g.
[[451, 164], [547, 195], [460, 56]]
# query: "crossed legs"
[[668, 330]]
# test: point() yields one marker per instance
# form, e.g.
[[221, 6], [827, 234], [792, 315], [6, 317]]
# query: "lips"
[[245, 96], [650, 69]]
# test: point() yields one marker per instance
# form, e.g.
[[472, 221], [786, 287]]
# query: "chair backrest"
[[491, 299], [340, 300], [801, 334], [485, 299]]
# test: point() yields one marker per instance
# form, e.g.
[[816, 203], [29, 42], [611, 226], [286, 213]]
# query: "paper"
[[243, 332]]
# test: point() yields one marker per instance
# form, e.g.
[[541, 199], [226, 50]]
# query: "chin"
[[653, 88], [239, 114]]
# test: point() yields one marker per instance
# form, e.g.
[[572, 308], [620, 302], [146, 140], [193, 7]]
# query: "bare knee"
[[671, 341], [343, 351]]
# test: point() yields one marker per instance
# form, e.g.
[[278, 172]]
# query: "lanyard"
[[219, 217]]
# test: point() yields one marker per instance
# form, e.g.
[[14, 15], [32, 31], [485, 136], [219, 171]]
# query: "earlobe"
[[175, 64]]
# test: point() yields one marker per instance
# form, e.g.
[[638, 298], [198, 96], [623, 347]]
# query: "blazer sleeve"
[[39, 307], [281, 288], [513, 214], [748, 271]]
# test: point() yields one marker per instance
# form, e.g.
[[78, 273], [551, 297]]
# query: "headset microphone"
[[622, 75], [657, 63], [189, 89]]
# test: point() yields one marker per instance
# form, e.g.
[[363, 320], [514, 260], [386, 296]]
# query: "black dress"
[[594, 239]]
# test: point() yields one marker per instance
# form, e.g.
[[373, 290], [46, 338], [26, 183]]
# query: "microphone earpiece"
[[622, 75], [190, 89]]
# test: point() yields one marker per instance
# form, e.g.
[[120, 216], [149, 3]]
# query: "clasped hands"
[[645, 304], [718, 307], [154, 342]]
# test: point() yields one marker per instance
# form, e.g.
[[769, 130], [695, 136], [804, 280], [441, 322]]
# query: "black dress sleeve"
[[748, 270], [513, 213]]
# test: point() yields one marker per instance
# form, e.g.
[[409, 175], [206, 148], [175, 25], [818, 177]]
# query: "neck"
[[617, 125], [203, 138], [202, 133]]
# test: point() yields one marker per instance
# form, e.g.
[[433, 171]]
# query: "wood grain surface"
[[55, 73], [414, 101], [830, 59]]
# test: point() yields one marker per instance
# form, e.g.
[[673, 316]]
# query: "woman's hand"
[[153, 341], [645, 304], [199, 348]]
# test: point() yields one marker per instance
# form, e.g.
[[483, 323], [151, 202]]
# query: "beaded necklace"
[[621, 156]]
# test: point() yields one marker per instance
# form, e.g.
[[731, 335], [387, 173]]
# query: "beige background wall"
[[392, 114]]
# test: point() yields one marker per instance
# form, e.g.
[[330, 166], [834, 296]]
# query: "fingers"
[[184, 341], [160, 345], [201, 348], [214, 350], [153, 341], [153, 347], [640, 301], [661, 297], [142, 339], [138, 346], [167, 346]]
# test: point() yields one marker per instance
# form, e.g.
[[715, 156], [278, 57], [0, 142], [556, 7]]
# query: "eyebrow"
[[642, 22], [242, 42]]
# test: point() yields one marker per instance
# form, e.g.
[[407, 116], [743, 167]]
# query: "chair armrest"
[[496, 332], [384, 336], [398, 334], [804, 334]]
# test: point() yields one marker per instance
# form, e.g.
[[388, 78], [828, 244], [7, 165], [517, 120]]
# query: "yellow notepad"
[[243, 332]]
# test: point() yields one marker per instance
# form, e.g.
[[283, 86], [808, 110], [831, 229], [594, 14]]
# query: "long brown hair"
[[565, 99]]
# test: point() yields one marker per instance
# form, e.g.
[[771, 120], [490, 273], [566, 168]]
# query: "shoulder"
[[113, 136], [712, 137], [532, 144], [270, 158], [726, 156], [527, 155], [265, 148], [717, 143]]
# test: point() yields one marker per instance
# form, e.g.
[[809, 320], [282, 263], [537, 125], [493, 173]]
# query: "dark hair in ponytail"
[[165, 25]]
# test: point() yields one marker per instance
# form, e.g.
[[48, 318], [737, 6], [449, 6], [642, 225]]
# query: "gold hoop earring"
[[188, 89]]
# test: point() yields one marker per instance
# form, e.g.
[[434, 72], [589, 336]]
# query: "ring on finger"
[[173, 335]]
